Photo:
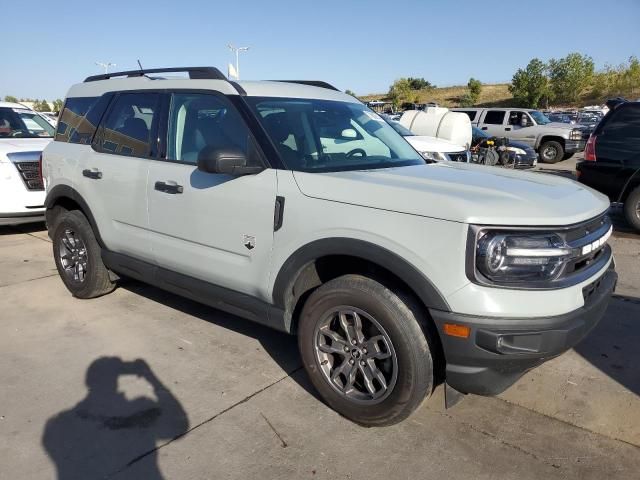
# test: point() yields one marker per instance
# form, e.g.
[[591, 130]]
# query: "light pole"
[[105, 66], [237, 51]]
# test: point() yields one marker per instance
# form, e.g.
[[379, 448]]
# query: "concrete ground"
[[215, 396]]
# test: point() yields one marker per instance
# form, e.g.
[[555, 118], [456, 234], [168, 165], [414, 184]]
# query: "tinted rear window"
[[80, 118], [624, 122], [494, 117]]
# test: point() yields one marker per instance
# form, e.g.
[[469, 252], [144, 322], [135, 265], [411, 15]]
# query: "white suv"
[[23, 136], [293, 205]]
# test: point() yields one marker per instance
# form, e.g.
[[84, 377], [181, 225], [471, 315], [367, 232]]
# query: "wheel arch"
[[551, 138], [68, 198], [319, 261]]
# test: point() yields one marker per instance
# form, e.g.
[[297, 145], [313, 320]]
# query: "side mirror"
[[349, 133], [229, 161]]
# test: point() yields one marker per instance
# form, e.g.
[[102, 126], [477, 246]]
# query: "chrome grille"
[[30, 174], [458, 157]]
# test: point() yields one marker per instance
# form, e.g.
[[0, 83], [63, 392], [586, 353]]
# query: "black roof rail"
[[200, 73], [313, 83]]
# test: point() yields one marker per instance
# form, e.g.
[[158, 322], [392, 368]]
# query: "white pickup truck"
[[554, 141]]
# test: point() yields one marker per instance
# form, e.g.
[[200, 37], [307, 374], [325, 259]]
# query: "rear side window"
[[126, 130], [72, 127], [494, 117], [624, 123], [471, 113]]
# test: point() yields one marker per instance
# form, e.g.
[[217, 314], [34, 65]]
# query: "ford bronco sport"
[[293, 205]]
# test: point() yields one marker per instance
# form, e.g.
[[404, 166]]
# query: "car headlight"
[[433, 156], [575, 135], [533, 258], [517, 151], [513, 258]]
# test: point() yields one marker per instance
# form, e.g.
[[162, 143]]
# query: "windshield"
[[539, 117], [329, 136], [401, 129], [23, 123]]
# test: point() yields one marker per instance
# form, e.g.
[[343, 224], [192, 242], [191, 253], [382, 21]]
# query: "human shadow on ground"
[[612, 346], [106, 432]]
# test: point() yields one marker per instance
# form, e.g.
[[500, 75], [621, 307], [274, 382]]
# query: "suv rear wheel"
[[632, 209], [77, 256], [365, 351], [551, 151]]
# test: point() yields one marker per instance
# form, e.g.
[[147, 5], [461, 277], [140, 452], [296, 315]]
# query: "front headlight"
[[537, 258], [517, 151], [513, 258], [433, 156], [575, 135]]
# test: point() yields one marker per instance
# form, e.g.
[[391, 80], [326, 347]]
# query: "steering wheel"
[[356, 151], [19, 133]]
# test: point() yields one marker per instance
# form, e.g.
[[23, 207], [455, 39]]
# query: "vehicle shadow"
[[105, 432], [25, 228], [280, 346], [612, 346]]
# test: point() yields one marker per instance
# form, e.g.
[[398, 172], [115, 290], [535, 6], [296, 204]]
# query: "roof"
[[13, 105], [251, 88]]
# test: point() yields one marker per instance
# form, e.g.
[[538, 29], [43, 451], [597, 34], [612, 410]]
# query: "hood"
[[559, 125], [10, 145], [424, 143], [462, 193]]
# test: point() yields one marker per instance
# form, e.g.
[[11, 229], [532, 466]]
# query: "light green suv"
[[293, 205]]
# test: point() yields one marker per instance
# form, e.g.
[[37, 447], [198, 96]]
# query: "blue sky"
[[360, 45]]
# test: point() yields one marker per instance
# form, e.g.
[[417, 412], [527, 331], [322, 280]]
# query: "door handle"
[[484, 128], [169, 187], [93, 173], [507, 129]]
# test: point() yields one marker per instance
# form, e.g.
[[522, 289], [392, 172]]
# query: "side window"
[[72, 125], [127, 128], [201, 122], [494, 117], [624, 123], [471, 113]]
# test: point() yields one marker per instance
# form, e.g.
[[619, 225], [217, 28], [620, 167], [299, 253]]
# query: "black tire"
[[632, 209], [93, 279], [546, 149], [401, 318]]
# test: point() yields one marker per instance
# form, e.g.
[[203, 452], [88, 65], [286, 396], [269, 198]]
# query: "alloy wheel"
[[73, 256], [356, 355]]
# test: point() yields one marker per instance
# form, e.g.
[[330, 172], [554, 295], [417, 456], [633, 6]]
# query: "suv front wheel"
[[365, 351], [632, 209], [77, 256], [551, 152]]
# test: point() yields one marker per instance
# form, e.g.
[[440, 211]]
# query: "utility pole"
[[105, 66], [237, 51]]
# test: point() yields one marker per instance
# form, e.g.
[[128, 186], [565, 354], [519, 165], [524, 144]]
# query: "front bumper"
[[573, 146], [22, 217], [499, 351], [528, 160]]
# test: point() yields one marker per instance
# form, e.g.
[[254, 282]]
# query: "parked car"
[[612, 159], [522, 155], [393, 272], [431, 148], [23, 136], [552, 140]]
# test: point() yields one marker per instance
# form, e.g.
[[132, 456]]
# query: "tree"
[[475, 87], [531, 85], [400, 92], [11, 98], [58, 104], [420, 84], [570, 76], [41, 106], [347, 91]]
